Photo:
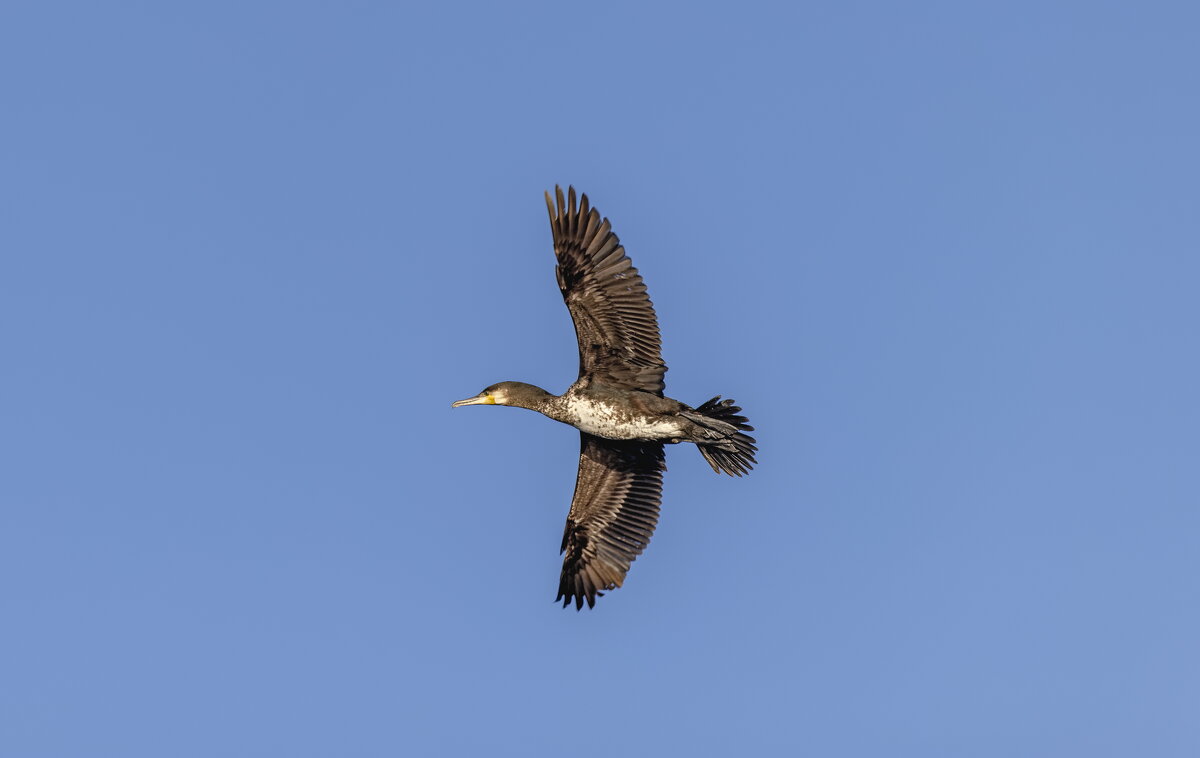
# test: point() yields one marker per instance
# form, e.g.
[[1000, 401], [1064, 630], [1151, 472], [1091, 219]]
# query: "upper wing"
[[614, 320], [613, 515]]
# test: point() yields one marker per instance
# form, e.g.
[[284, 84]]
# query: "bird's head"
[[519, 394]]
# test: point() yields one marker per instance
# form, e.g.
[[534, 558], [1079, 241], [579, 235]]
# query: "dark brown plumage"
[[615, 323], [613, 514]]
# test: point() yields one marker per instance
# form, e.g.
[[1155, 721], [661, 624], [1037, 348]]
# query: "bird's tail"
[[720, 435]]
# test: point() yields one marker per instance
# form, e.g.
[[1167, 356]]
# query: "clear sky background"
[[946, 255]]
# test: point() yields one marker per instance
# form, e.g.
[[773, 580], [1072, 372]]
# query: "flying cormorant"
[[618, 406]]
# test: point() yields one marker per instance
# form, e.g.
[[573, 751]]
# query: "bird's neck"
[[535, 399]]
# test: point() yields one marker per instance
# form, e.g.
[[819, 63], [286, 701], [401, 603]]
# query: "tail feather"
[[722, 439]]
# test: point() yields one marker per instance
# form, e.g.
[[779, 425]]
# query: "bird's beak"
[[477, 400]]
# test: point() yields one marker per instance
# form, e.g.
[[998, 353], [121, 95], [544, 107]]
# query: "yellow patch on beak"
[[488, 399]]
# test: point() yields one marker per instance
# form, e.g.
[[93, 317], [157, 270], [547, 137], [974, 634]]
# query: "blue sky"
[[945, 255]]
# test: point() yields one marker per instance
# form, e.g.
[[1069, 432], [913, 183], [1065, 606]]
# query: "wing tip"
[[565, 205], [578, 596]]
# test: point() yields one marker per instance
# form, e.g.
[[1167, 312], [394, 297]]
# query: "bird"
[[618, 406]]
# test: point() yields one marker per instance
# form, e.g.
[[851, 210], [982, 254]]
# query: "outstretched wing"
[[615, 324], [613, 515]]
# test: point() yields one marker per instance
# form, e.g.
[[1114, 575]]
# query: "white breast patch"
[[604, 420]]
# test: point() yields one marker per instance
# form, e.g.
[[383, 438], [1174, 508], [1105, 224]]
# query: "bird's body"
[[620, 414], [635, 416], [618, 406]]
